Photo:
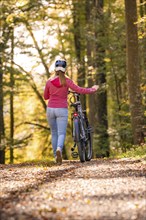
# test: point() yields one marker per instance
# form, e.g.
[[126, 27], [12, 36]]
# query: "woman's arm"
[[79, 89]]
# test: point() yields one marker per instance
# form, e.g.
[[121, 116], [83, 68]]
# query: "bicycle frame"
[[80, 129], [78, 113]]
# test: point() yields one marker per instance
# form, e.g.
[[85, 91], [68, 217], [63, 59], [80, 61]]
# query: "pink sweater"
[[57, 94]]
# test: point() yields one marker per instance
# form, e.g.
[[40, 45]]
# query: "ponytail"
[[62, 78]]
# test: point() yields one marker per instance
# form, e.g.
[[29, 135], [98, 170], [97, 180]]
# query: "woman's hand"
[[96, 87]]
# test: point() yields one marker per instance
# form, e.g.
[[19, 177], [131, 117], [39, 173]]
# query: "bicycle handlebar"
[[75, 95], [73, 92]]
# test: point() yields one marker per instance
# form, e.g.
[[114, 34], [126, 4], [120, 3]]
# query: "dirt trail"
[[95, 190]]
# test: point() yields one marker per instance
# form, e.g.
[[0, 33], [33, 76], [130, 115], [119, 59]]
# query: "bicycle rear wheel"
[[88, 144], [78, 140]]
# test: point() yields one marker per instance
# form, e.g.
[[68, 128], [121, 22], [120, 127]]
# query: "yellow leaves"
[[53, 209], [22, 15], [47, 209], [10, 18], [136, 205], [107, 60], [141, 35], [143, 88], [141, 20], [15, 17], [63, 209], [49, 196], [87, 201], [21, 3]]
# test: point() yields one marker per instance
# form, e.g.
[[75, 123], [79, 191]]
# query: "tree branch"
[[38, 125]]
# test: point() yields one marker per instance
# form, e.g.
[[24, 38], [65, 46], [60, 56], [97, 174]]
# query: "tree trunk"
[[90, 64], [142, 49], [5, 36], [79, 39], [2, 130], [96, 65], [101, 98], [12, 99], [133, 71]]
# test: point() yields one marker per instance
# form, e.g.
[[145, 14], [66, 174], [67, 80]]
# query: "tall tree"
[[79, 40], [90, 59], [4, 39], [12, 98], [101, 98], [95, 53], [2, 129], [142, 34], [133, 71]]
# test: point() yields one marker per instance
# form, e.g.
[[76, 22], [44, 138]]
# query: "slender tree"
[[90, 59], [12, 98], [2, 129], [101, 98], [142, 33], [4, 36], [79, 41], [133, 71]]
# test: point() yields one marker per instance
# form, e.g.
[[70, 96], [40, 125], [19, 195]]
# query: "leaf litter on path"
[[101, 189]]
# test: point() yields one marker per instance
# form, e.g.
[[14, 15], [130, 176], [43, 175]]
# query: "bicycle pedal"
[[74, 154], [73, 148], [89, 129]]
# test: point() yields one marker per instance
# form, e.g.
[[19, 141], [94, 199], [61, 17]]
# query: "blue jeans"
[[57, 119]]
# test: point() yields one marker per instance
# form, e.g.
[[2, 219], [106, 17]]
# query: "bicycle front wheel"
[[78, 140], [88, 153], [88, 144]]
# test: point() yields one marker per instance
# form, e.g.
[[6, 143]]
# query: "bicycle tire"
[[88, 144], [89, 152], [79, 142]]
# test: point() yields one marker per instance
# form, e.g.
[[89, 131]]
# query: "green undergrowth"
[[137, 152]]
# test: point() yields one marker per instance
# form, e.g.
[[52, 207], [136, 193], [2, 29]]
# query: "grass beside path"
[[137, 152]]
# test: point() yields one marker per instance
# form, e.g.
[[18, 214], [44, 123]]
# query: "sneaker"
[[58, 156]]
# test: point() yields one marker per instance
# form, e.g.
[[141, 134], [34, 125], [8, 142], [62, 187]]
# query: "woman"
[[56, 91]]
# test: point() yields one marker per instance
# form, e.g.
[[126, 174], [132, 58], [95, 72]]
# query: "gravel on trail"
[[102, 189]]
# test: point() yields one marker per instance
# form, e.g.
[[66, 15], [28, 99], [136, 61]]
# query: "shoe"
[[58, 156]]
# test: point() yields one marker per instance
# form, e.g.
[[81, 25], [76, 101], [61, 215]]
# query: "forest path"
[[110, 189]]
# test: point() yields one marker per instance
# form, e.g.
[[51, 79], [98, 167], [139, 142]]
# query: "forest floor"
[[102, 189]]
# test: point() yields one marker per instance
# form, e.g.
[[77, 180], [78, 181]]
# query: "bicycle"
[[81, 130]]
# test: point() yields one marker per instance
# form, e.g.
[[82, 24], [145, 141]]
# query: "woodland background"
[[104, 42]]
